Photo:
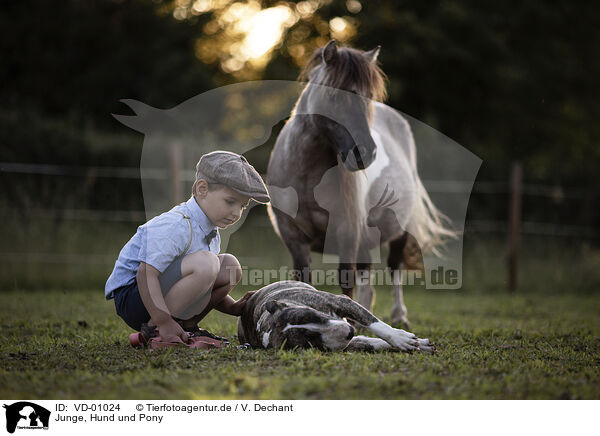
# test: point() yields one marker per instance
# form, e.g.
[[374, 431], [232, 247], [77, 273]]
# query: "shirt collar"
[[199, 217]]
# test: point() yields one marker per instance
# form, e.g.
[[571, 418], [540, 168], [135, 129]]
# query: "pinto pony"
[[352, 162]]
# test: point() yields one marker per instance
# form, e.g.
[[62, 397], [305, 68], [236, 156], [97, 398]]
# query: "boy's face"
[[223, 206]]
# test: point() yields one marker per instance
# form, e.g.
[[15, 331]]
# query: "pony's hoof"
[[401, 324]]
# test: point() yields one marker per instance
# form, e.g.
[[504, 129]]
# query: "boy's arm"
[[231, 307], [152, 297]]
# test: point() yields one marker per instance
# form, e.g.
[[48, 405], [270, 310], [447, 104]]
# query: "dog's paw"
[[403, 340], [407, 341], [426, 346], [397, 338]]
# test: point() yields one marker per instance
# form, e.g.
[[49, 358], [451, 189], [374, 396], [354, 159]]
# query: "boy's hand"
[[238, 306], [172, 328]]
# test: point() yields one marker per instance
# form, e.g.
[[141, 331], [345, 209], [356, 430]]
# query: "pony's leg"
[[399, 316], [346, 277], [347, 248], [301, 258], [298, 245], [364, 290]]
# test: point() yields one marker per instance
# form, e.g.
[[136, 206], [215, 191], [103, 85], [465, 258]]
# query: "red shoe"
[[149, 337], [196, 332], [141, 338]]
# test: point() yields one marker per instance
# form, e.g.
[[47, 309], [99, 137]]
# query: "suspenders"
[[191, 232]]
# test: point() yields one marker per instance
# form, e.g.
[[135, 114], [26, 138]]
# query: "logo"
[[26, 415], [362, 208]]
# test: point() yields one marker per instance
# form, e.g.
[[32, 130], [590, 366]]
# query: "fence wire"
[[554, 192]]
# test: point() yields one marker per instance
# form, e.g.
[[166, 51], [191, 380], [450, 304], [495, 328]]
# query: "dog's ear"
[[274, 306]]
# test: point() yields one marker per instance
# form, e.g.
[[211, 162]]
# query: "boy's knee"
[[214, 264], [205, 263], [231, 267]]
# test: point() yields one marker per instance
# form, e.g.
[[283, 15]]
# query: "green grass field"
[[61, 339], [72, 345]]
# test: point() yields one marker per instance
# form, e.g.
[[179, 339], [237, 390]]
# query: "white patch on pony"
[[273, 219], [364, 292], [381, 161], [398, 307], [284, 199], [265, 339], [362, 189]]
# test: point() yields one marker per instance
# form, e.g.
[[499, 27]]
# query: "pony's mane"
[[349, 68]]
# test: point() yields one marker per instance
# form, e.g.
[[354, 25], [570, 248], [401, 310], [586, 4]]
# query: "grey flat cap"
[[234, 171]]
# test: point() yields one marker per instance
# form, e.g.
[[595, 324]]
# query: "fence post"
[[514, 223], [175, 166]]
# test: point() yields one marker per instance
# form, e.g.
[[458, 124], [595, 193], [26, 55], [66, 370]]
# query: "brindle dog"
[[291, 314]]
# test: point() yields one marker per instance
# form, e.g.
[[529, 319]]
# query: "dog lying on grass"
[[291, 314]]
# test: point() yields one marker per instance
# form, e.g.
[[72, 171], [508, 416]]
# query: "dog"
[[291, 314]]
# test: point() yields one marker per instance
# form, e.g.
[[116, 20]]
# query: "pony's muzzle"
[[359, 162], [355, 160]]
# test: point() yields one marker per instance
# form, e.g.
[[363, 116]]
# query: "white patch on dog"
[[310, 327], [376, 343], [426, 346], [265, 339], [336, 324], [397, 338], [262, 318], [334, 334]]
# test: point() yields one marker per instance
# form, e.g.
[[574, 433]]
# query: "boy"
[[169, 274]]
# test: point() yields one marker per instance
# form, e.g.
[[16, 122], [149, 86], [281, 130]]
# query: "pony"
[[352, 161]]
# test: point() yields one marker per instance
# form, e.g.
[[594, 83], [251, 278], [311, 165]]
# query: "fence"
[[513, 227]]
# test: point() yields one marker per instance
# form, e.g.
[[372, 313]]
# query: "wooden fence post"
[[175, 166], [514, 224]]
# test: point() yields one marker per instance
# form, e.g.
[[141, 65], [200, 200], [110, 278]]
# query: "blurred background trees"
[[507, 80]]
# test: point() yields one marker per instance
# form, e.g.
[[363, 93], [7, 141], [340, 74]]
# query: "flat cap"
[[235, 172]]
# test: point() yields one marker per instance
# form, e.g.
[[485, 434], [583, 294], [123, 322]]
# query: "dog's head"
[[294, 326]]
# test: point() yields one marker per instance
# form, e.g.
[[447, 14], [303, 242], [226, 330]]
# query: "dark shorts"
[[128, 301]]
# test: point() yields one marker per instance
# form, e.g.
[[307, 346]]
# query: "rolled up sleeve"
[[162, 240]]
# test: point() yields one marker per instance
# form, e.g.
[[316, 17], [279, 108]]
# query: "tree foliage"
[[508, 80]]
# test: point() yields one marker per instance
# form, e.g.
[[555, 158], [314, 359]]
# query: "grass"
[[61, 339], [71, 345]]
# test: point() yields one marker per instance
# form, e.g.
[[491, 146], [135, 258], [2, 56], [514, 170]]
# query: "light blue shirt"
[[160, 241]]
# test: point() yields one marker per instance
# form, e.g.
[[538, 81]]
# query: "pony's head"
[[346, 80]]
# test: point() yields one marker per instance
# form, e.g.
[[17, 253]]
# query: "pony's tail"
[[429, 226]]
